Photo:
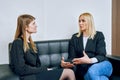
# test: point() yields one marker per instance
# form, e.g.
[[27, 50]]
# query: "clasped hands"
[[83, 60]]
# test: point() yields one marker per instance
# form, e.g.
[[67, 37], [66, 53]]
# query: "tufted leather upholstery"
[[50, 53]]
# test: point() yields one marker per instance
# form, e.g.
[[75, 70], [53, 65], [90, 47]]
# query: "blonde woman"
[[24, 57], [87, 50]]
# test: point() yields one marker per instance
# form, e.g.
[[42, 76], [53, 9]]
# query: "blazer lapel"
[[89, 45], [81, 42]]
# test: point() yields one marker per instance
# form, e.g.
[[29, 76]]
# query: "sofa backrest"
[[51, 51]]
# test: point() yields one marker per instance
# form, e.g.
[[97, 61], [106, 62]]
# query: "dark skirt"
[[45, 75], [50, 75]]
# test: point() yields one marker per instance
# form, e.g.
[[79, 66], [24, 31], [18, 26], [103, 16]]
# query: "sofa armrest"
[[115, 60], [6, 73]]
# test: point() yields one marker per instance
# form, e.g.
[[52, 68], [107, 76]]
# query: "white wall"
[[56, 19]]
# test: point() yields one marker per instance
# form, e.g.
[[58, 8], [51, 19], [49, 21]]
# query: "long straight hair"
[[91, 27], [23, 21]]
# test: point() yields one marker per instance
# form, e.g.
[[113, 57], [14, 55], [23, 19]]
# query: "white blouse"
[[94, 60]]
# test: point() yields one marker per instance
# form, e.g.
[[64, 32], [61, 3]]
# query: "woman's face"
[[32, 27], [83, 24]]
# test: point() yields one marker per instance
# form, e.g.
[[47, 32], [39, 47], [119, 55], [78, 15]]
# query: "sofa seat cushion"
[[6, 73]]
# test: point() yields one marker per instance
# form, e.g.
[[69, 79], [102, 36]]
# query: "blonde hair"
[[22, 22], [91, 27]]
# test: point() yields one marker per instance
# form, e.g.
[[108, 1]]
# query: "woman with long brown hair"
[[25, 61]]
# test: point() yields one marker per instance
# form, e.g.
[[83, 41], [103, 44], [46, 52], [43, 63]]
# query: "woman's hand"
[[83, 60], [66, 64]]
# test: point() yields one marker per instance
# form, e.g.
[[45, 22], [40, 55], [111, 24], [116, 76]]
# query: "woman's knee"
[[68, 74], [100, 69], [90, 75], [91, 72], [69, 71], [109, 68]]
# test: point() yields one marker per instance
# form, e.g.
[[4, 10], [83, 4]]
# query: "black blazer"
[[26, 65], [95, 47]]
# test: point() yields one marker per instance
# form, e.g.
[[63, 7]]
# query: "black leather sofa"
[[51, 52], [115, 60]]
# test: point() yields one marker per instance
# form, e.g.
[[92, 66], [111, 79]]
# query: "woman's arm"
[[101, 47]]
